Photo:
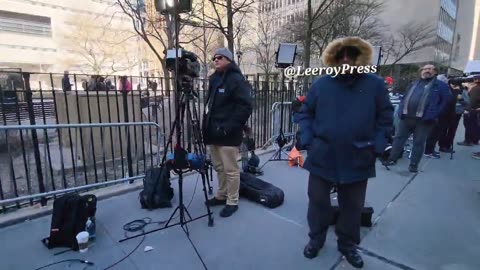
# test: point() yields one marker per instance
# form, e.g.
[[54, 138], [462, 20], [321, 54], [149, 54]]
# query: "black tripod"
[[184, 161], [281, 140]]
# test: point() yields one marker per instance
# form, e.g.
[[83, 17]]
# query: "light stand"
[[285, 58], [182, 161]]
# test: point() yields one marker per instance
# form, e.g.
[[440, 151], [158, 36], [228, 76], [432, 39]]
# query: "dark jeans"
[[434, 136], [406, 127], [351, 199], [447, 134], [472, 128]]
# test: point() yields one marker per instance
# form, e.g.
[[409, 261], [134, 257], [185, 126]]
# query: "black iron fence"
[[42, 160]]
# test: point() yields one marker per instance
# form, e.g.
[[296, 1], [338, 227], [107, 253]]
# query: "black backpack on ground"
[[157, 191], [365, 220], [259, 191], [69, 217]]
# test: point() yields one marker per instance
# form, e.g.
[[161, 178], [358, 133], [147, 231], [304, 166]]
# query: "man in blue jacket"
[[424, 101], [344, 123]]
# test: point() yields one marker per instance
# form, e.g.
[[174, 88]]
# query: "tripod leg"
[[171, 216], [184, 222], [209, 178], [210, 217]]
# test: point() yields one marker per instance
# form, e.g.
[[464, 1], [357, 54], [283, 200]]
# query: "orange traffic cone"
[[295, 158]]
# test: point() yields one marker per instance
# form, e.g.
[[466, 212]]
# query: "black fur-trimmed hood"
[[365, 48]]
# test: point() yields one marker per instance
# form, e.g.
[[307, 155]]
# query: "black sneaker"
[[228, 210], [413, 168], [389, 162], [353, 258], [311, 250], [465, 143], [446, 150], [214, 202], [435, 155]]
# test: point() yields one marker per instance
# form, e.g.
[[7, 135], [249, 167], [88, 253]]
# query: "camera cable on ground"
[[137, 225]]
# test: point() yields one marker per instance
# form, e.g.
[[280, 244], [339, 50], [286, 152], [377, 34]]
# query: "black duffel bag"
[[259, 191]]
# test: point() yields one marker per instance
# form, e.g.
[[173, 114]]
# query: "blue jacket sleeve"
[[384, 119], [445, 96], [305, 118]]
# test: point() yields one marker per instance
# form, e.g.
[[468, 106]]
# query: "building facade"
[[451, 22], [475, 48], [88, 36]]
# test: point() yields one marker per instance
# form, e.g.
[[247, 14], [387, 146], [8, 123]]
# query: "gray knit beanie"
[[225, 52], [442, 78]]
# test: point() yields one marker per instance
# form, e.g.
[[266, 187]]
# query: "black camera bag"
[[157, 191], [69, 217], [259, 191]]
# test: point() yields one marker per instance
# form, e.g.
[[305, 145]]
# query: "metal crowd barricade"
[[276, 123], [43, 195]]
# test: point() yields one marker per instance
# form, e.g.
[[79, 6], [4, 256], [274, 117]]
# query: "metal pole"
[[125, 114], [36, 150], [92, 125], [51, 193]]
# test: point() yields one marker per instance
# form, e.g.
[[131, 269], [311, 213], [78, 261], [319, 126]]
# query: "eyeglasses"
[[217, 58]]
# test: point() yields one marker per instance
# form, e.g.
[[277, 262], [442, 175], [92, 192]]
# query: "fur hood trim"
[[365, 48]]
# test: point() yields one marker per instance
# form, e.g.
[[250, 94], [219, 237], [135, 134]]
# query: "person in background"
[[473, 109], [84, 85], [66, 85], [101, 86], [453, 114], [470, 117], [419, 110], [128, 85], [92, 83], [109, 85], [440, 125]]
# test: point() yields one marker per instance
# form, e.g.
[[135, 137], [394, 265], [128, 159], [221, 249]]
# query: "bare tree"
[[204, 37], [264, 42], [362, 19], [411, 37], [311, 25], [98, 46], [225, 12], [336, 19], [242, 30], [156, 30]]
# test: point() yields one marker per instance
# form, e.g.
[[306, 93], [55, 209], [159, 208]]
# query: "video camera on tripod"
[[188, 67], [460, 80]]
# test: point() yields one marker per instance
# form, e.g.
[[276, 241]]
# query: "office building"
[[88, 36]]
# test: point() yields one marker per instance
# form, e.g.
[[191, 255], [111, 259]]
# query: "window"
[[445, 32], [25, 24], [450, 7]]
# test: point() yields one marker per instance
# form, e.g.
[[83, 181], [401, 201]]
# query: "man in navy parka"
[[344, 124]]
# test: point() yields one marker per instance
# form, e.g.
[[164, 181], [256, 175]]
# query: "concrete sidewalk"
[[424, 221]]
